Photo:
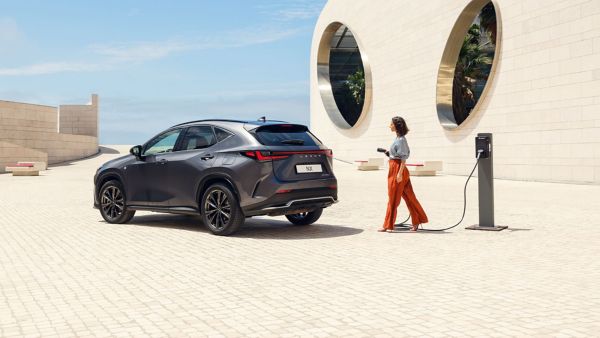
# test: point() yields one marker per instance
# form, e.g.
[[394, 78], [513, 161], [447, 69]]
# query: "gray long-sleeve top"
[[399, 149]]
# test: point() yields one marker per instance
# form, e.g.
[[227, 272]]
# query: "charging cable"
[[343, 161], [407, 225]]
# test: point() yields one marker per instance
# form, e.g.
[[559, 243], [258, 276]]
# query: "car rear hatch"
[[296, 153]]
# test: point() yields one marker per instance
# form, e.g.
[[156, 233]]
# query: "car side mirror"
[[137, 152]]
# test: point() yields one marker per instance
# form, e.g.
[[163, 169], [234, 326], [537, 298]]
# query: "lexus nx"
[[224, 171]]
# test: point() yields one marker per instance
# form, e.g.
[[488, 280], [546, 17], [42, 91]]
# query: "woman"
[[399, 185]]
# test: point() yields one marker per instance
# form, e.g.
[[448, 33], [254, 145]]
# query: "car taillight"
[[280, 155], [264, 156]]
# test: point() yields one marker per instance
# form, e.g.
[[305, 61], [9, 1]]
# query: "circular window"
[[468, 63], [344, 76]]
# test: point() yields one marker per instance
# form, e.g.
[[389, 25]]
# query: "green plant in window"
[[356, 85]]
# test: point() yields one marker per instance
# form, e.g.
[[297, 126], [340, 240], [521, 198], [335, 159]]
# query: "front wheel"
[[112, 203], [305, 218], [221, 211]]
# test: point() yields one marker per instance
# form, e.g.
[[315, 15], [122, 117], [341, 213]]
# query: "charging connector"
[[483, 146]]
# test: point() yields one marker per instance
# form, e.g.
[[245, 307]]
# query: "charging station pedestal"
[[485, 176]]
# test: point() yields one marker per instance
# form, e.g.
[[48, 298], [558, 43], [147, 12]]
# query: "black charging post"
[[484, 149]]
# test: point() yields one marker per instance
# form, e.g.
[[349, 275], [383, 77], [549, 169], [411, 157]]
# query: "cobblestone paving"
[[64, 272]]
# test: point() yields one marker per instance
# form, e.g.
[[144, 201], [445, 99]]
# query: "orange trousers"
[[403, 190]]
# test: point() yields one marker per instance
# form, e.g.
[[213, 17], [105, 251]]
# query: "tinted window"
[[198, 138], [163, 143], [222, 134], [286, 135]]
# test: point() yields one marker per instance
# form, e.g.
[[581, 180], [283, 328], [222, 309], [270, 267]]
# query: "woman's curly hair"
[[401, 127]]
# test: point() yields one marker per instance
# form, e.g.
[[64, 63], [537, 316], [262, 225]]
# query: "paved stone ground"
[[65, 272]]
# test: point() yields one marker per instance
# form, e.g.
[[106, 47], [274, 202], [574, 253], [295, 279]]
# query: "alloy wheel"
[[112, 202], [218, 209]]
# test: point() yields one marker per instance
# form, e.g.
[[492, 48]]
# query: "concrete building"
[[541, 100], [30, 132]]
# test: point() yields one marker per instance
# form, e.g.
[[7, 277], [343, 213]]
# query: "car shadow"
[[256, 228], [264, 228], [180, 222]]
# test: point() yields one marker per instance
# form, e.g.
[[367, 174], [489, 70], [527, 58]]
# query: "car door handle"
[[207, 157], [163, 161]]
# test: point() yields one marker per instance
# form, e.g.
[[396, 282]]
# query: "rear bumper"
[[293, 203]]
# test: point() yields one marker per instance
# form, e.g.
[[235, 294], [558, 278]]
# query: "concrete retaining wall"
[[30, 132]]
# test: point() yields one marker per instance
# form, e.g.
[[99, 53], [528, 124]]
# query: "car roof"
[[243, 122]]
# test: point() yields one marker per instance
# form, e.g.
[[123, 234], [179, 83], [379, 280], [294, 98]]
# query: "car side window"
[[198, 137], [222, 134], [163, 143]]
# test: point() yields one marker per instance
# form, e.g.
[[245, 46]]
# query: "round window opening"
[[468, 63], [344, 76]]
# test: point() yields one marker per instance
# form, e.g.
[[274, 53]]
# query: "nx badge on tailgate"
[[308, 168]]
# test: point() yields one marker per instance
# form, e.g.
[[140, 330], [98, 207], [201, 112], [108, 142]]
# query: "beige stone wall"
[[543, 105], [30, 133], [79, 119], [26, 117]]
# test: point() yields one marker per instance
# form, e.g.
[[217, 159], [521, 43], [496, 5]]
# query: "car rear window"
[[286, 135]]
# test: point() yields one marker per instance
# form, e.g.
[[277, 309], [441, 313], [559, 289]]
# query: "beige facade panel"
[[542, 104], [31, 132]]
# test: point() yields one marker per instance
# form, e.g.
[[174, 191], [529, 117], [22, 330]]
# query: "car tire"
[[113, 205], [305, 218], [221, 211]]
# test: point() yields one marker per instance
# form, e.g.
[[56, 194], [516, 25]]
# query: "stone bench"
[[426, 168], [23, 170], [38, 165]]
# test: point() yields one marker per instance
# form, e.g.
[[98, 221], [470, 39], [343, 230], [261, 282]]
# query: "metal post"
[[485, 146]]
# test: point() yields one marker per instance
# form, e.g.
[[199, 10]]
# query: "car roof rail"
[[208, 120], [260, 121]]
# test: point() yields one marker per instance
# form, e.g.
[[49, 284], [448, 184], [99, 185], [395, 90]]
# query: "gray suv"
[[223, 170]]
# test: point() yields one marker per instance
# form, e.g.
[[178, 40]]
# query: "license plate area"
[[309, 168]]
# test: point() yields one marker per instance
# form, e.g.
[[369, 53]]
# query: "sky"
[[158, 63]]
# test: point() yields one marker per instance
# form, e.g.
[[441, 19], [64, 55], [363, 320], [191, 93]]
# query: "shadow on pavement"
[[107, 150], [276, 229], [181, 222], [101, 150], [420, 232], [253, 228]]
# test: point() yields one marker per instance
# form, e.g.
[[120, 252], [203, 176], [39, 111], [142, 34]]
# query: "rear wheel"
[[305, 218], [112, 203], [221, 211]]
